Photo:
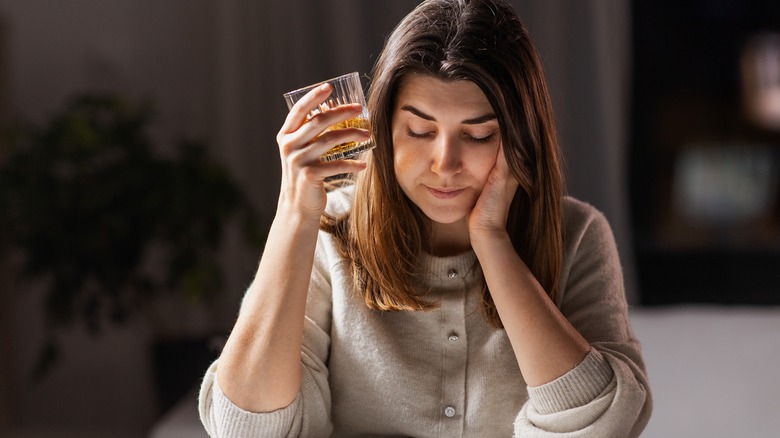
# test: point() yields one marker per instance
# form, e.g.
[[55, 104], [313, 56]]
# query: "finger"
[[501, 162], [340, 167], [512, 181], [504, 177], [312, 130], [301, 109], [331, 139], [323, 170], [326, 119]]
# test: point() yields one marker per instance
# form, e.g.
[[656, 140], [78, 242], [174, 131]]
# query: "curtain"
[[585, 46], [266, 48]]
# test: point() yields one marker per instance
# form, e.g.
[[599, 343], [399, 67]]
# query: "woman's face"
[[445, 140]]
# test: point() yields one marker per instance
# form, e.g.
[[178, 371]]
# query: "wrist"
[[297, 214], [297, 218], [488, 239]]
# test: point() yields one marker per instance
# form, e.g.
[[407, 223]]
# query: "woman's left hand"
[[490, 213]]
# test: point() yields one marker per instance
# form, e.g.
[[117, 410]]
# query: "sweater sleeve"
[[607, 394], [309, 413]]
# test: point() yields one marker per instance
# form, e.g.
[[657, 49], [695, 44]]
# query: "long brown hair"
[[482, 41]]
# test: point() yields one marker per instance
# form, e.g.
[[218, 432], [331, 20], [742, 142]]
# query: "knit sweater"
[[447, 372]]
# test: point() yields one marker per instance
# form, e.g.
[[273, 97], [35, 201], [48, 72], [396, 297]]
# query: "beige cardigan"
[[447, 373]]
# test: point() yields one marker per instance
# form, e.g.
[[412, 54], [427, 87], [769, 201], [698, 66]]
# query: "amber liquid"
[[351, 148]]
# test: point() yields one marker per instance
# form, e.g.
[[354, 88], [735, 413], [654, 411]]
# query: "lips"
[[445, 193]]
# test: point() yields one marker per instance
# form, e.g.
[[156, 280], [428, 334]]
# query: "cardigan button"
[[453, 337], [449, 412], [452, 274]]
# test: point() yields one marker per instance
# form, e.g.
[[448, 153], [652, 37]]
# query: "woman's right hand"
[[301, 145]]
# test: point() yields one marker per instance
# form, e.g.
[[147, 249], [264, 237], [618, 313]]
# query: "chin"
[[446, 217]]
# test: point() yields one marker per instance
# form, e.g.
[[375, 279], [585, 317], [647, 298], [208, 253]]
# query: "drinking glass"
[[346, 89]]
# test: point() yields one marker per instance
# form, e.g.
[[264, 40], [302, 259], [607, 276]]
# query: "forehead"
[[436, 96]]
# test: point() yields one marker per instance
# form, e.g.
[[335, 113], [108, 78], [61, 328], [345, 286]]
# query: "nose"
[[447, 157]]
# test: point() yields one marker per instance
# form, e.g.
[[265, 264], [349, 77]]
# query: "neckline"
[[450, 272]]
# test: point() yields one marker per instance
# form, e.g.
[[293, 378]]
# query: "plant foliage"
[[84, 198]]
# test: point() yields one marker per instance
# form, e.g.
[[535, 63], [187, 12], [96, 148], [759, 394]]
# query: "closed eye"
[[413, 134], [486, 139]]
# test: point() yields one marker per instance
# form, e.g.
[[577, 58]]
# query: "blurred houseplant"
[[86, 202]]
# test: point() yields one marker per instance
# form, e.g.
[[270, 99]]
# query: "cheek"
[[405, 159], [402, 166], [482, 164]]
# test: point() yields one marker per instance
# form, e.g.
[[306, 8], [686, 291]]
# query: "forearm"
[[259, 369], [544, 342]]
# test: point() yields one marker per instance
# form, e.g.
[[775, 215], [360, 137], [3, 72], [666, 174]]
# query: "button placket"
[[454, 339]]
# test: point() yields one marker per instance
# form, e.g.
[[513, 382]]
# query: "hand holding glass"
[[346, 89]]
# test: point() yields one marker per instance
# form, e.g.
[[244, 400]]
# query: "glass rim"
[[336, 78]]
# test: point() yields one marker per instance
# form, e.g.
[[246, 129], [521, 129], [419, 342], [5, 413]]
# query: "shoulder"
[[580, 218], [587, 237], [575, 210], [590, 252]]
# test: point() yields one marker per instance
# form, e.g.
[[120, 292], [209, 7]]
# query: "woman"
[[452, 290]]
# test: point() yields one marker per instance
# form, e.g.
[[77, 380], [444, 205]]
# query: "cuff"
[[237, 422], [578, 387]]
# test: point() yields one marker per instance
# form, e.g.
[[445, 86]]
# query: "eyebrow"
[[475, 121]]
